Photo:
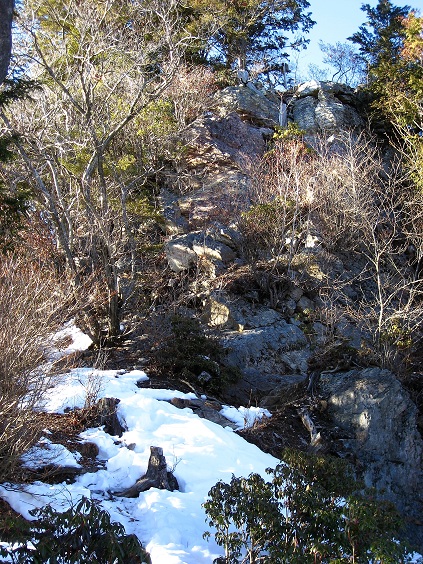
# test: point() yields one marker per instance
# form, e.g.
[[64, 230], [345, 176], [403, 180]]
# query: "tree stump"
[[106, 415], [157, 476]]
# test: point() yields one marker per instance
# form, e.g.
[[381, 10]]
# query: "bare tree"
[[364, 206], [102, 66], [347, 65]]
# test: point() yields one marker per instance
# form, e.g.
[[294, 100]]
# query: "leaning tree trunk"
[[6, 14]]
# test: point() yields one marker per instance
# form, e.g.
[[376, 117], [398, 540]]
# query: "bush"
[[83, 533], [308, 512], [266, 228], [195, 356], [191, 92], [348, 190], [278, 216]]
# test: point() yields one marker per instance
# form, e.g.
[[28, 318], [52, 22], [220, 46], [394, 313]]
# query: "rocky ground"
[[309, 368], [282, 331]]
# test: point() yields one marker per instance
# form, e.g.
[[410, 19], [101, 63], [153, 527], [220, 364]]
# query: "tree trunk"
[[6, 14], [114, 300], [157, 476], [107, 416]]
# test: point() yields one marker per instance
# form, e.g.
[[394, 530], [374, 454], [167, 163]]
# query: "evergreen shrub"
[[83, 533], [309, 512]]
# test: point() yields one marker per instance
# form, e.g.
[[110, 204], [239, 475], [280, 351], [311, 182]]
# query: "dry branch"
[[316, 442]]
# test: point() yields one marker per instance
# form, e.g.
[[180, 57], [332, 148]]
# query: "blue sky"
[[336, 20]]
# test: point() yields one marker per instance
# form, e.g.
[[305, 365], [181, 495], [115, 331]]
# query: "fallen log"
[[157, 476]]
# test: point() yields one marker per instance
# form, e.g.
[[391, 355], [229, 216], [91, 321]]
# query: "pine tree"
[[381, 38], [253, 34], [391, 43], [400, 97]]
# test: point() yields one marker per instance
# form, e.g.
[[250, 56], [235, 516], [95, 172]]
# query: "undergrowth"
[[190, 354], [83, 533]]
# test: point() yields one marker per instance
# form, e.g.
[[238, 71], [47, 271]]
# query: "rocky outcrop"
[[378, 420], [222, 146], [249, 346], [279, 330], [213, 141], [260, 107], [213, 180], [325, 106]]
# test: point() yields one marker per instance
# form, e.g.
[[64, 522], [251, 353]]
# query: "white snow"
[[244, 417], [71, 388], [169, 524], [78, 341], [39, 494]]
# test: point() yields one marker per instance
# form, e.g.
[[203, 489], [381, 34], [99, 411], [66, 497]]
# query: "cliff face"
[[292, 332]]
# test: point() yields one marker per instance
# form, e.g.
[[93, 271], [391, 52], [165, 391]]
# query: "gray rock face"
[[325, 106], [318, 88], [372, 407], [250, 103], [261, 353], [179, 253], [214, 141], [304, 113], [213, 250], [290, 388], [250, 345]]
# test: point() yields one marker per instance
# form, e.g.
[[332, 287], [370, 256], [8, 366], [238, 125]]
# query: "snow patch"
[[244, 417], [46, 453]]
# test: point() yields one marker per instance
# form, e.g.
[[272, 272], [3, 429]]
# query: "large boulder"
[[251, 345], [264, 354], [183, 251], [378, 420], [325, 106], [251, 103], [180, 254]]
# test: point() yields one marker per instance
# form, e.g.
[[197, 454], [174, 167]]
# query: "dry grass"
[[32, 307]]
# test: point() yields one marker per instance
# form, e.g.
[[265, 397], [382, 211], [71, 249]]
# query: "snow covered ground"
[[169, 524]]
